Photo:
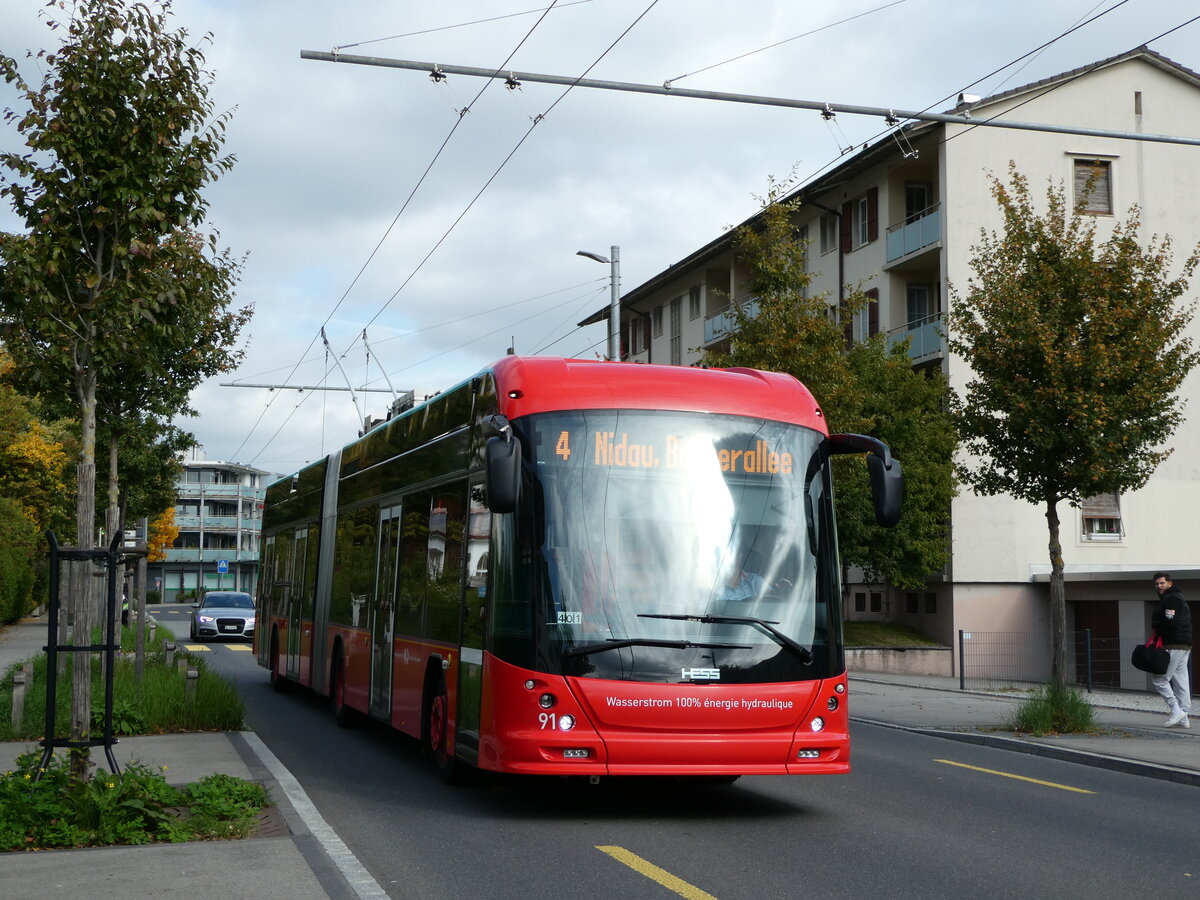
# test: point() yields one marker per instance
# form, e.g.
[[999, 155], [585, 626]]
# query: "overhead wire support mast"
[[754, 99]]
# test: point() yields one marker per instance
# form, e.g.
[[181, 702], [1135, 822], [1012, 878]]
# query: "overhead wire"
[[671, 81], [461, 24], [388, 231]]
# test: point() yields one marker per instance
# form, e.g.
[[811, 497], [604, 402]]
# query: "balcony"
[[721, 324], [913, 235], [197, 489], [927, 339], [196, 555], [216, 523]]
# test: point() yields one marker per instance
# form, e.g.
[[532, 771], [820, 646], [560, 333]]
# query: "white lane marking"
[[359, 878]]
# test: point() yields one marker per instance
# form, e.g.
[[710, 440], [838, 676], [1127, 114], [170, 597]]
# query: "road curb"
[[1082, 757]]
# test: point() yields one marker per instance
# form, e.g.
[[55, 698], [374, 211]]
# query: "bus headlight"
[[831, 704], [817, 724], [546, 701], [566, 722]]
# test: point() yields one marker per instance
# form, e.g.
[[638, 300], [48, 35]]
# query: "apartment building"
[[899, 219], [218, 511]]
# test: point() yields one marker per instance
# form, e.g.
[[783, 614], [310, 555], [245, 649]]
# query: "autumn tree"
[[122, 142], [866, 388], [1077, 351]]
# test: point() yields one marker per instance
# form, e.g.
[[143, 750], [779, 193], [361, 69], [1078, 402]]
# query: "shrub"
[[1054, 710]]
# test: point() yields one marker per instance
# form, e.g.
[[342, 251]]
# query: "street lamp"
[[614, 304]]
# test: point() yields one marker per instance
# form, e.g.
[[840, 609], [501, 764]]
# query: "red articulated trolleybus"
[[566, 567]]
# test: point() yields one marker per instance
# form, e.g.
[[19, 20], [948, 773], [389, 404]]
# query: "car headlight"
[[205, 620]]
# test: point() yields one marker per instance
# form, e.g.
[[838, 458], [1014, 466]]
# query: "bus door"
[[380, 617], [474, 621], [295, 604]]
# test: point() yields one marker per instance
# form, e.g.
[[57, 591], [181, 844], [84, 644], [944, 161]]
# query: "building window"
[[1101, 516], [911, 601], [860, 601], [919, 299], [694, 302], [918, 198], [876, 602], [658, 320], [677, 331], [829, 233], [930, 603], [1093, 186], [860, 221]]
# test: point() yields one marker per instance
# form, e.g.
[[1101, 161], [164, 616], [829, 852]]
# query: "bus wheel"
[[449, 769], [279, 682], [343, 715]]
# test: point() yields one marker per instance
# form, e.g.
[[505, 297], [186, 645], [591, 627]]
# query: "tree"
[[1077, 351], [163, 532], [864, 389], [122, 143]]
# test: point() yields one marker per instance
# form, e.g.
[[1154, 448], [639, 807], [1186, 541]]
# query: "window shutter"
[[646, 333], [872, 312], [1101, 506], [873, 214], [844, 222], [1099, 199]]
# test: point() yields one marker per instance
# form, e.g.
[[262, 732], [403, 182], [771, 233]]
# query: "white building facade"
[[218, 510], [899, 219]]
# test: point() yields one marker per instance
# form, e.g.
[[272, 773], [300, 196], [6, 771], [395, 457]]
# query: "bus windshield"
[[682, 547]]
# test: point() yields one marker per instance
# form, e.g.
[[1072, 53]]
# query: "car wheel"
[[279, 682], [449, 769], [343, 715]]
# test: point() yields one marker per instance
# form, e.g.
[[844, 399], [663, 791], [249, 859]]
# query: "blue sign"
[[222, 567]]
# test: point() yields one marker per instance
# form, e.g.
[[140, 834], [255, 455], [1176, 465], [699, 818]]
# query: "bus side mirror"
[[887, 490], [502, 465], [887, 481]]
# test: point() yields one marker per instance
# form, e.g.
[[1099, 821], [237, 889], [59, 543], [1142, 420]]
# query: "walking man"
[[1172, 621]]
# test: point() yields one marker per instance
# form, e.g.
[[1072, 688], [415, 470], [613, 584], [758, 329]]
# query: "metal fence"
[[1014, 660]]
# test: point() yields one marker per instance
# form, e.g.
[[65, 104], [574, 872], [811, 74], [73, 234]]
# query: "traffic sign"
[[222, 567]]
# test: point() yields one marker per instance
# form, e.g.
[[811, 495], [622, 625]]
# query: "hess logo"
[[701, 674]]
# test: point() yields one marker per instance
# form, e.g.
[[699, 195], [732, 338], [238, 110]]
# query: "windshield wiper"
[[803, 652], [615, 643]]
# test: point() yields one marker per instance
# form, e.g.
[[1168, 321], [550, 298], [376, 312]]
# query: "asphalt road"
[[918, 817]]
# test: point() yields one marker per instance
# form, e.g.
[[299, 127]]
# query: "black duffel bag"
[[1151, 657]]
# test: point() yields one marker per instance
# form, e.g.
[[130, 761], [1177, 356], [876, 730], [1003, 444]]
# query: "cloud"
[[328, 154]]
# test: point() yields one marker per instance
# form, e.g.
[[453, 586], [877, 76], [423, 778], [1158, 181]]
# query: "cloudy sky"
[[351, 219]]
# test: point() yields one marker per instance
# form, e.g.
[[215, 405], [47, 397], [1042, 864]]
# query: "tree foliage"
[[1077, 349], [866, 389], [163, 532], [105, 288]]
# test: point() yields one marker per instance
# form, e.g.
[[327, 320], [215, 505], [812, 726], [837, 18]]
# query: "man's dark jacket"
[[1174, 629]]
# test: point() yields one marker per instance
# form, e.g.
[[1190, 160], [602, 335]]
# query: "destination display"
[[623, 450]]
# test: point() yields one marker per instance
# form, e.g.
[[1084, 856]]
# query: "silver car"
[[223, 614]]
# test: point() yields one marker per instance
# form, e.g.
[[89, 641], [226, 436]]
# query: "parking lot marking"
[[654, 873], [241, 648], [1061, 787], [196, 648]]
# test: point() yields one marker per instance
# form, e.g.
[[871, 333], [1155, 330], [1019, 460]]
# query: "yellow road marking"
[[1061, 787], [654, 873], [196, 648], [241, 648]]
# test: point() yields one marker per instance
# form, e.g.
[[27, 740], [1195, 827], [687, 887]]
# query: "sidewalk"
[[303, 858], [1133, 739], [296, 857]]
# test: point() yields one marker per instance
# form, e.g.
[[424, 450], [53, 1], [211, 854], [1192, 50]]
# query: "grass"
[[1053, 710], [158, 705], [884, 634], [136, 806]]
